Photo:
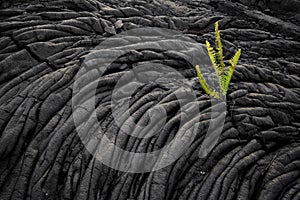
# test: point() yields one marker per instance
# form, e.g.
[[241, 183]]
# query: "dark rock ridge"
[[42, 47]]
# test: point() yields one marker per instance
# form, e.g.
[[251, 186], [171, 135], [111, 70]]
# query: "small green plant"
[[216, 57]]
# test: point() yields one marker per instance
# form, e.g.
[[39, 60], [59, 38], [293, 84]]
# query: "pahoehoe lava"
[[42, 48]]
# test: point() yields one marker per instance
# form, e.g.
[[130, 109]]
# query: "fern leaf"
[[202, 80], [212, 56], [225, 82], [227, 76], [219, 48], [204, 85], [234, 60]]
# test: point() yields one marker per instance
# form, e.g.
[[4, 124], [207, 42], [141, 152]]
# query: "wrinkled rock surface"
[[42, 47]]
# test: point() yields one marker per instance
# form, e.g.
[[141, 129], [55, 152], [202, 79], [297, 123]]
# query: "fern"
[[219, 47], [212, 56], [216, 58], [204, 85], [233, 61]]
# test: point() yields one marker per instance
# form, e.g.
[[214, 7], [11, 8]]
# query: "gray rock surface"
[[42, 46]]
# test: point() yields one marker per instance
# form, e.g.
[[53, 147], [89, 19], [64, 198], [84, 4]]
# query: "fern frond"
[[202, 80], [204, 85], [219, 48], [234, 60], [212, 56], [225, 82], [227, 76]]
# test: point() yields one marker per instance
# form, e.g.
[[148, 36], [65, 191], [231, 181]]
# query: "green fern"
[[212, 56], [219, 46], [231, 69], [223, 76], [204, 85]]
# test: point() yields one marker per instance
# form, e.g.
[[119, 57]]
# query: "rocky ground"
[[42, 48]]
